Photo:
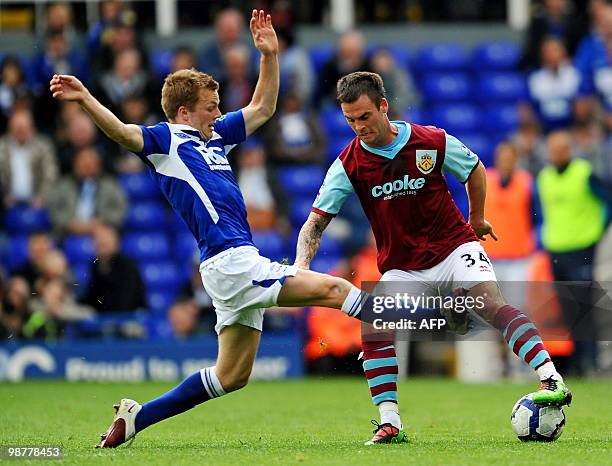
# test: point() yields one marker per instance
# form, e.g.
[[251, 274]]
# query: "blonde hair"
[[182, 88]]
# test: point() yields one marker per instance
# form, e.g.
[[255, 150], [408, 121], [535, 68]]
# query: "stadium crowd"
[[89, 247]]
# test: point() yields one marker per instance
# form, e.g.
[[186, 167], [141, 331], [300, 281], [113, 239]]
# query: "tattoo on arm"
[[309, 239]]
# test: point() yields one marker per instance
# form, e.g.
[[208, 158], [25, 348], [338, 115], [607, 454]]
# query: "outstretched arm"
[[477, 192], [263, 103], [69, 88], [309, 239]]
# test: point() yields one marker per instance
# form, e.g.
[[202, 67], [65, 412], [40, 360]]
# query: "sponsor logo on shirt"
[[400, 187], [214, 157]]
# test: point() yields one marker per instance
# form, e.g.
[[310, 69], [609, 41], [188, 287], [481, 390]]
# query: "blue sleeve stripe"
[[381, 362], [385, 378], [384, 396], [458, 160], [335, 189]]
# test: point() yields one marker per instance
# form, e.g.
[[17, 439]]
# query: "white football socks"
[[389, 413], [547, 370]]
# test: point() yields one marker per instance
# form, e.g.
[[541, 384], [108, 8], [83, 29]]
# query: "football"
[[531, 422]]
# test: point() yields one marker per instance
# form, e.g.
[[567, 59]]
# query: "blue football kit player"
[[187, 155]]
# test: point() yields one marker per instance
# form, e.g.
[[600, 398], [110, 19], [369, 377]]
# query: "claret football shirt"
[[404, 194]]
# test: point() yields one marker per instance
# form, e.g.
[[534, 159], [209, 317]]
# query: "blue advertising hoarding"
[[132, 361]]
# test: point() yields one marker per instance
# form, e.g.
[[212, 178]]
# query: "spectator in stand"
[[81, 200], [184, 58], [294, 135], [116, 284], [28, 166], [296, 72], [39, 245], [237, 86], [229, 27], [14, 91], [52, 310], [554, 87], [81, 133], [118, 37], [530, 146], [112, 14], [134, 110], [183, 317], [127, 78], [401, 91], [555, 18], [573, 206], [54, 266], [263, 196], [588, 138], [594, 56], [59, 18], [15, 308], [350, 57], [58, 57], [510, 189]]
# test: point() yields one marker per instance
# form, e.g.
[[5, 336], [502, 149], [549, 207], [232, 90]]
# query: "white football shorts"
[[467, 266], [242, 284]]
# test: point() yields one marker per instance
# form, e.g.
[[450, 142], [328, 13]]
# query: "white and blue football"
[[534, 423]]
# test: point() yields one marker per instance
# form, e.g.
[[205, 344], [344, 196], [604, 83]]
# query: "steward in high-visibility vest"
[[509, 207]]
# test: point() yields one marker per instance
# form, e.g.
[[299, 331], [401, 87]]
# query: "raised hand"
[[483, 228], [263, 33], [66, 87]]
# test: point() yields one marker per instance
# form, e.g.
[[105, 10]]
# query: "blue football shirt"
[[196, 178]]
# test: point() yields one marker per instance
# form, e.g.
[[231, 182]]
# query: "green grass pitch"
[[308, 422]]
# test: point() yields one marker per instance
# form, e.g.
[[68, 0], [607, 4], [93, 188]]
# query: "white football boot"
[[123, 427]]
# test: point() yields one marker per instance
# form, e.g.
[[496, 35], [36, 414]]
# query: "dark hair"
[[354, 85]]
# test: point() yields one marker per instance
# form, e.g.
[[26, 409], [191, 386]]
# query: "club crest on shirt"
[[426, 160]]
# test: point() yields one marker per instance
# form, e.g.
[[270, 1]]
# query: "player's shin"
[[195, 389], [380, 369]]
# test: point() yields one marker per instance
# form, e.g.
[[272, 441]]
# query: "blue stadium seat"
[[335, 145], [160, 300], [334, 124], [144, 216], [271, 244], [501, 86], [480, 144], [81, 272], [325, 264], [300, 210], [446, 86], [399, 51], [330, 246], [140, 186], [501, 118], [161, 62], [161, 275], [442, 57], [320, 54], [496, 56], [16, 252], [146, 246], [22, 220], [456, 117], [416, 115], [79, 248], [302, 180], [184, 247]]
